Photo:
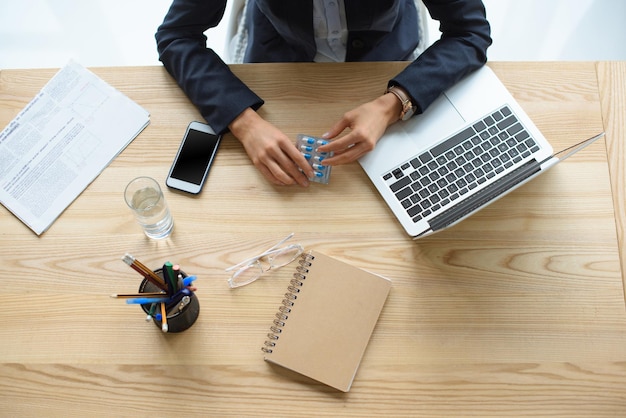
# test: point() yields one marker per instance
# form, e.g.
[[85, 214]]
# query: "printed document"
[[61, 141]]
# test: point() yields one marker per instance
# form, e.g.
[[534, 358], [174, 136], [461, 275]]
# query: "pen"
[[188, 280], [145, 301], [178, 277]]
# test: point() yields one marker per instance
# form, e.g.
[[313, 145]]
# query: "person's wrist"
[[243, 123], [406, 103], [391, 108]]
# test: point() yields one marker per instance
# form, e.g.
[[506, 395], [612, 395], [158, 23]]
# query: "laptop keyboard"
[[461, 163]]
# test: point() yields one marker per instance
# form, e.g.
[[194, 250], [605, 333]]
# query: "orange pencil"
[[163, 318]]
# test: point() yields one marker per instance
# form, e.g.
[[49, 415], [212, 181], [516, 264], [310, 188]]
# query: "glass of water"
[[145, 198]]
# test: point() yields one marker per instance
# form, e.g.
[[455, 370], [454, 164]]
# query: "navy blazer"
[[282, 31]]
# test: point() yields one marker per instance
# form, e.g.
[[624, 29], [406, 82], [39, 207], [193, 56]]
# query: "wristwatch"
[[408, 109]]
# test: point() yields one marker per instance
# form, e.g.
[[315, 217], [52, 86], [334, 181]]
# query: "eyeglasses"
[[275, 257]]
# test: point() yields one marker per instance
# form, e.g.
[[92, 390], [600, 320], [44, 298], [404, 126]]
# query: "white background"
[[47, 33]]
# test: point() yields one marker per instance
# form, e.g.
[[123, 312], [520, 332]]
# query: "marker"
[[169, 278], [151, 313]]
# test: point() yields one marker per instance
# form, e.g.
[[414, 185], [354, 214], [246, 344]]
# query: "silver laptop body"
[[473, 145]]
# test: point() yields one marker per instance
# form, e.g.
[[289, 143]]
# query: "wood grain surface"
[[517, 311]]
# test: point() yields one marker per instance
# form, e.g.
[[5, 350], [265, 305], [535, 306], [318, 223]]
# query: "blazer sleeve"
[[462, 48], [208, 82]]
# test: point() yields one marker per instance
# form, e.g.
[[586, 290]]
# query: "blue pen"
[[145, 301], [187, 280]]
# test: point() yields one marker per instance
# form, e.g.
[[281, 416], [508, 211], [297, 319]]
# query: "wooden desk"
[[517, 311]]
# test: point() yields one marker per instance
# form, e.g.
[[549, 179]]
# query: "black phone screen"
[[195, 156]]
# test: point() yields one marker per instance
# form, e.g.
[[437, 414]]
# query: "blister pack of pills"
[[308, 147]]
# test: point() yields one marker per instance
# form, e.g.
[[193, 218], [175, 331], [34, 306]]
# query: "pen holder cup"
[[178, 319]]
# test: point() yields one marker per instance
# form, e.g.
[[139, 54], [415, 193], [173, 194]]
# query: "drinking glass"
[[145, 198]]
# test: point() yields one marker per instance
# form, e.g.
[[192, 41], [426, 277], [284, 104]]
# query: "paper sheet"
[[59, 143]]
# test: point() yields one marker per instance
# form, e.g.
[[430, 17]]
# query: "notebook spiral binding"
[[284, 310]]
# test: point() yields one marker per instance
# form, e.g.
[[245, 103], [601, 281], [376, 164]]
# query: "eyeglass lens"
[[276, 259]]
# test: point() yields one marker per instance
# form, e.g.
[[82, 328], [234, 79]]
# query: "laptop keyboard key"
[[400, 184]]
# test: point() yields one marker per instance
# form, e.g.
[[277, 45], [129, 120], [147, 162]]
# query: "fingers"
[[341, 144], [282, 164], [367, 123], [267, 173], [346, 156], [287, 172], [271, 151], [337, 128], [348, 148]]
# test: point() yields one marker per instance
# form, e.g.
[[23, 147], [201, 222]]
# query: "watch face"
[[408, 113]]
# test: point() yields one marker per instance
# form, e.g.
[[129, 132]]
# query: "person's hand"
[[270, 150], [367, 124]]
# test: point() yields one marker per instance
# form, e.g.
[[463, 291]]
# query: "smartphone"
[[193, 159]]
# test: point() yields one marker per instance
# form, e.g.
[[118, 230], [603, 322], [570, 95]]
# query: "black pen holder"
[[179, 318]]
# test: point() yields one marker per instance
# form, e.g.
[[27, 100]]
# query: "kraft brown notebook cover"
[[326, 319]]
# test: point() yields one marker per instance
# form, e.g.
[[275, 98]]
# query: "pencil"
[[138, 295], [144, 271], [163, 318]]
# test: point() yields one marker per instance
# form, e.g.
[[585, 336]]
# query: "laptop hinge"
[[489, 193]]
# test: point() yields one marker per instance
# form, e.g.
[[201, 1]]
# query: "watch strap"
[[408, 109]]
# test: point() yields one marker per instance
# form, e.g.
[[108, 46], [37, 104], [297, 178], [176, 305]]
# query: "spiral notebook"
[[326, 319]]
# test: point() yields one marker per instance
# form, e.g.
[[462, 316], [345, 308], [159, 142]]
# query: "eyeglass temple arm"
[[266, 252]]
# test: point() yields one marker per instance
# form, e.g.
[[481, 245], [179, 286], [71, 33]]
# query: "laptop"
[[473, 145]]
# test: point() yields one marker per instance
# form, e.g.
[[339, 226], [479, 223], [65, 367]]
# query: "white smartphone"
[[193, 159]]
